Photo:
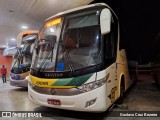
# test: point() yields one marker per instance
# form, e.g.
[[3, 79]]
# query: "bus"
[[78, 62], [22, 58]]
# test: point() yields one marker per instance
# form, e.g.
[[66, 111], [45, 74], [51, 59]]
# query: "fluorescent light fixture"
[[13, 39], [4, 46], [24, 27]]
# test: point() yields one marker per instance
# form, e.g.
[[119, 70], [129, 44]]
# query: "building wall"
[[5, 60]]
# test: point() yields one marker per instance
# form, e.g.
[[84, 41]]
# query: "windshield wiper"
[[70, 64], [52, 39]]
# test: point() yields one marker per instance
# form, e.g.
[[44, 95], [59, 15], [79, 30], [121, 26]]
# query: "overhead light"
[[13, 39], [24, 27], [4, 46]]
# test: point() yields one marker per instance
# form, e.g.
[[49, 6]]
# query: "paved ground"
[[144, 96]]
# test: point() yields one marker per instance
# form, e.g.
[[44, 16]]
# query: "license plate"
[[54, 102]]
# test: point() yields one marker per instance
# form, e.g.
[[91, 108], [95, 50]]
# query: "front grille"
[[59, 92]]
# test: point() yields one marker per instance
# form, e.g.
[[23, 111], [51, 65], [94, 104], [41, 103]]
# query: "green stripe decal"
[[62, 82], [77, 81]]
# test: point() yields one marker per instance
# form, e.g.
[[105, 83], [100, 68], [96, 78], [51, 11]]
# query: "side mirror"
[[105, 21]]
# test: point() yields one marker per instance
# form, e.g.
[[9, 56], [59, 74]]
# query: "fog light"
[[90, 102]]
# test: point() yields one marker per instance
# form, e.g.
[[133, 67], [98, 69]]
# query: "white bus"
[[78, 62], [22, 58]]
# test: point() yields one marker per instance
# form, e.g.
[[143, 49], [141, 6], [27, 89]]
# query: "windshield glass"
[[22, 58], [77, 44], [44, 55]]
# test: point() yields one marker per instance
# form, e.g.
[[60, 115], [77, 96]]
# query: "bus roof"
[[24, 34], [80, 8]]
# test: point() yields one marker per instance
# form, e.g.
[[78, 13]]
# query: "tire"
[[120, 99]]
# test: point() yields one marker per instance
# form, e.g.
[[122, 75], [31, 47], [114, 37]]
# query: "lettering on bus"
[[53, 75], [41, 83]]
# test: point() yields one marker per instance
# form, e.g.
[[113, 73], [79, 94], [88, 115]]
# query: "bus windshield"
[[69, 43], [22, 59]]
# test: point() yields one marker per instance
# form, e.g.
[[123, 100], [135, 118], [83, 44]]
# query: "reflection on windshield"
[[78, 46], [79, 52], [45, 56]]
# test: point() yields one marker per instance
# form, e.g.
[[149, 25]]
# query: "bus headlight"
[[93, 85], [30, 84]]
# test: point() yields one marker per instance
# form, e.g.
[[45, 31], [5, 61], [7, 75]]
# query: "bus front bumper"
[[94, 101], [19, 83]]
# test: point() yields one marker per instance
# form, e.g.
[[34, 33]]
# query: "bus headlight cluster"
[[92, 85]]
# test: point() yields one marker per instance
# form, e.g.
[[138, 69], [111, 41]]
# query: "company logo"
[[21, 114], [6, 114]]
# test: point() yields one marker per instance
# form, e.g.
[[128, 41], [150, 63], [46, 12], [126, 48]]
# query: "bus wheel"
[[122, 89]]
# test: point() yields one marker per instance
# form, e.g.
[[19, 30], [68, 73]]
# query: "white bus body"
[[92, 86]]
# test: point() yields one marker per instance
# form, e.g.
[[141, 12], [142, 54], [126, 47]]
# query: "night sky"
[[140, 26]]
